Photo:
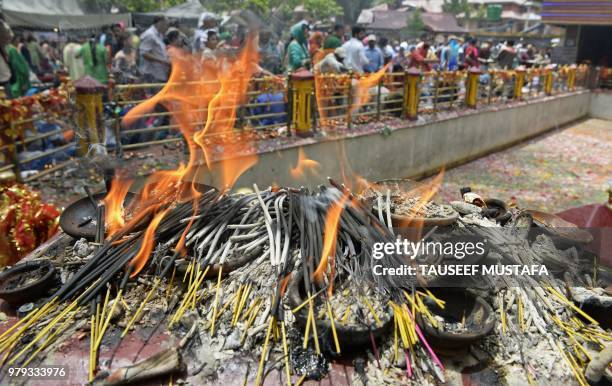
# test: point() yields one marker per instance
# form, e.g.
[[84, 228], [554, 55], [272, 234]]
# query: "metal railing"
[[605, 78], [37, 129], [301, 105], [334, 100], [265, 108]]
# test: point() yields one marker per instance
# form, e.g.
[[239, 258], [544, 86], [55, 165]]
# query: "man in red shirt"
[[418, 57], [471, 54]]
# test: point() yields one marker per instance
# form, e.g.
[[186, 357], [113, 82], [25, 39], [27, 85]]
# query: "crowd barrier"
[[298, 104], [305, 102], [605, 78], [37, 134]]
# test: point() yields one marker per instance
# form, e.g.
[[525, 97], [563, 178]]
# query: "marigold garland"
[[25, 222]]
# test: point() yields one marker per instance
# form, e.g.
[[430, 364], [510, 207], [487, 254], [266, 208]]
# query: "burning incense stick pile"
[[284, 276], [255, 268]]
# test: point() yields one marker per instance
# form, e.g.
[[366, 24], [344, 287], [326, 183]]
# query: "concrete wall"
[[420, 148], [601, 104]]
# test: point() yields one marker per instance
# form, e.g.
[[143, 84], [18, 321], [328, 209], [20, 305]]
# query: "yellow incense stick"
[[521, 320], [107, 321], [307, 329], [502, 315], [333, 327], [191, 291], [563, 299], [245, 298], [238, 298], [103, 315], [127, 307], [300, 380], [140, 308], [33, 315], [346, 315], [313, 324], [307, 301], [367, 302], [286, 352], [395, 339], [250, 322], [92, 340], [50, 339], [171, 282], [212, 326], [576, 373], [44, 331], [264, 352], [439, 302], [250, 309]]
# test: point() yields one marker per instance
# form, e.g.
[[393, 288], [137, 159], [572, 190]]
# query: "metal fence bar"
[[6, 167], [151, 143], [36, 138], [438, 91], [50, 170], [47, 153]]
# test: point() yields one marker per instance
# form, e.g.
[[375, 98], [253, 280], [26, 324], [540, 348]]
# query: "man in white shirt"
[[355, 51], [72, 59], [332, 62], [207, 22], [154, 63]]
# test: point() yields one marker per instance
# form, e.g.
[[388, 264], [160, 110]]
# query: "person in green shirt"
[[297, 52], [35, 53], [95, 60], [20, 80], [334, 39]]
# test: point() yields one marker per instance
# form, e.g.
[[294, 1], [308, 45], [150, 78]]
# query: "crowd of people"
[[145, 56], [360, 52]]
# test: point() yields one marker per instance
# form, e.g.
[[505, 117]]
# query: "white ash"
[[465, 208], [82, 248], [414, 206], [596, 296], [359, 314]]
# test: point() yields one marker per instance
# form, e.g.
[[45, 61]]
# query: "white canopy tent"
[[57, 15]]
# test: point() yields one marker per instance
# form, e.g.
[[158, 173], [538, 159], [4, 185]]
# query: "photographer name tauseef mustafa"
[[461, 270]]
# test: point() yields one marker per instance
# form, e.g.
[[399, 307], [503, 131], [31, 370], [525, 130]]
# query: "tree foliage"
[[131, 5], [415, 23], [319, 9], [352, 8], [456, 7], [322, 9]]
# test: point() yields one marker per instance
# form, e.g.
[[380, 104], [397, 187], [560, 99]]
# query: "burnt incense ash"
[[282, 279]]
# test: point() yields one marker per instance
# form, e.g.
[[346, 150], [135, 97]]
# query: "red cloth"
[[471, 57], [597, 220], [417, 59], [25, 222]]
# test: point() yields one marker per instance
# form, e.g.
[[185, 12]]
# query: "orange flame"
[[304, 163], [141, 258], [425, 193], [221, 115], [202, 97], [332, 219], [113, 203], [363, 86], [327, 88]]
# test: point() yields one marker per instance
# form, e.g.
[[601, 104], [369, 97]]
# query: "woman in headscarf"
[[297, 52], [315, 42], [20, 81], [95, 60]]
